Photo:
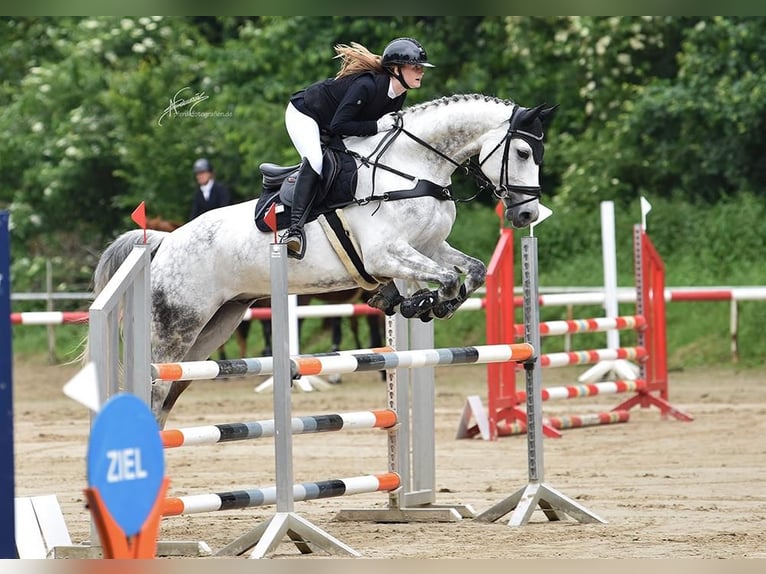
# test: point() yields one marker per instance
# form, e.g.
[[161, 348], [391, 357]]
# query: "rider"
[[356, 102]]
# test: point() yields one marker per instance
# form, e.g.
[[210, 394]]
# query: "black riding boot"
[[303, 198]]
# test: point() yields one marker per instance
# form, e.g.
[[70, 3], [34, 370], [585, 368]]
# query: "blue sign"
[[126, 460]]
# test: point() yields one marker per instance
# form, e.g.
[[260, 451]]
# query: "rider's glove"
[[386, 122]]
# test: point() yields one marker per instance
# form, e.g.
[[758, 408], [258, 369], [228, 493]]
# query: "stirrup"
[[295, 239]]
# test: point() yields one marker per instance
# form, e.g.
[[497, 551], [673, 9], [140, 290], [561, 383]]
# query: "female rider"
[[356, 102]]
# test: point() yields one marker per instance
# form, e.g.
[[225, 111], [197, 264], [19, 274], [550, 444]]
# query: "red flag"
[[139, 216], [271, 219]]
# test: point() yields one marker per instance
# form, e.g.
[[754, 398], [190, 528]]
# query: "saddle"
[[339, 175]]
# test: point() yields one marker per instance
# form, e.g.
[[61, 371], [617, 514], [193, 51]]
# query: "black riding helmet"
[[202, 164], [404, 51]]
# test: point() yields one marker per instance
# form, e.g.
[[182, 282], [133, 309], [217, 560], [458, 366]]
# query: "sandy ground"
[[667, 489]]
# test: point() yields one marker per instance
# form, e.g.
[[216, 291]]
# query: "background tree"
[[667, 106]]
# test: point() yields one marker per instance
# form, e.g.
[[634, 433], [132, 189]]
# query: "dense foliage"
[[673, 108]]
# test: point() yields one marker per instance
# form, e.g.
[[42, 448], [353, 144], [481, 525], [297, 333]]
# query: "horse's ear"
[[535, 112], [526, 116], [546, 114]]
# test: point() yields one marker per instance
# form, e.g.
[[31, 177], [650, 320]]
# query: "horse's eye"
[[523, 154]]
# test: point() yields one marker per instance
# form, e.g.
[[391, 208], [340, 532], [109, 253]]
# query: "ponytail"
[[356, 58]]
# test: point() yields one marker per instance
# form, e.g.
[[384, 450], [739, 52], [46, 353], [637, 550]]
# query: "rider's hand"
[[386, 122]]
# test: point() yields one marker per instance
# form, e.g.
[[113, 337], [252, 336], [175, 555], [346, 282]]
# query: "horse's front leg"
[[402, 261], [475, 275], [386, 298]]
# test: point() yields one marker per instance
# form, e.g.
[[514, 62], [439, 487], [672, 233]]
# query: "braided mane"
[[456, 98]]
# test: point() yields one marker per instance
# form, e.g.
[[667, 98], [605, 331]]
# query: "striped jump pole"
[[595, 325], [347, 362], [49, 317], [569, 422], [512, 410], [649, 295], [316, 311], [592, 356], [414, 359], [198, 503], [223, 369], [513, 417], [214, 434], [345, 310], [552, 425], [588, 390]]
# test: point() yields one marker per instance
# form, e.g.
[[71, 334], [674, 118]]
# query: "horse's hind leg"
[[164, 396], [174, 331], [216, 332]]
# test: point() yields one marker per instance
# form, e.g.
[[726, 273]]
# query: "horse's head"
[[512, 163]]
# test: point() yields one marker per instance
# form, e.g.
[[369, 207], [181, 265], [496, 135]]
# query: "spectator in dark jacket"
[[210, 193]]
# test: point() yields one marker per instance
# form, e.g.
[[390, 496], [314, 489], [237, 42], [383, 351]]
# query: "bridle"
[[470, 167], [506, 187]]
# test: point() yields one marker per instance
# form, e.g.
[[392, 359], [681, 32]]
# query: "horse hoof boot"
[[446, 309], [385, 304], [419, 304], [407, 309]]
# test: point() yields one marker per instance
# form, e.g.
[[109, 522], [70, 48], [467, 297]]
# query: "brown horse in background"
[[160, 224], [333, 324]]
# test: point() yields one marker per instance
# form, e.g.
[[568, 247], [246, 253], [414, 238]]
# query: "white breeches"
[[304, 133]]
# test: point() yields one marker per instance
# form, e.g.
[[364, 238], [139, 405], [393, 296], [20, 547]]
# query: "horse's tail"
[[117, 251], [111, 259]]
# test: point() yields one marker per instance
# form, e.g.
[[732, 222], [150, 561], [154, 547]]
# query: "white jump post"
[[536, 493], [126, 295], [268, 535], [618, 368], [412, 443]]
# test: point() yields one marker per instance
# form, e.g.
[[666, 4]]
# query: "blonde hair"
[[356, 58]]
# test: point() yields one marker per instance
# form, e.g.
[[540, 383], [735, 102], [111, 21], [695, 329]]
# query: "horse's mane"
[[456, 98]]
